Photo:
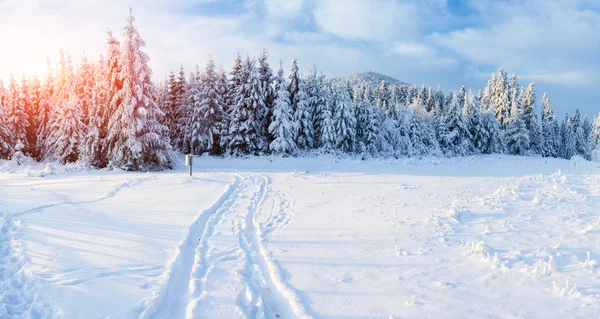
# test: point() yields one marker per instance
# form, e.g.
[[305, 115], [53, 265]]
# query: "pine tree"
[[344, 120], [500, 99], [244, 127], [321, 106], [17, 117], [294, 83], [454, 138], [207, 115], [594, 140], [516, 133], [569, 147], [265, 75], [106, 84], [581, 139], [366, 122], [548, 134], [476, 133], [6, 149], [529, 115], [182, 114], [136, 139], [282, 126], [69, 130], [303, 119], [328, 136], [44, 109]]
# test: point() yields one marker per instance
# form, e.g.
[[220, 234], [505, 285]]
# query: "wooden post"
[[189, 162]]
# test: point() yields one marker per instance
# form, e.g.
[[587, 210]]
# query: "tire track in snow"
[[265, 293], [262, 291], [170, 302]]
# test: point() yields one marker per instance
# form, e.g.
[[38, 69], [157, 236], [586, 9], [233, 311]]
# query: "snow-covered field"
[[488, 236]]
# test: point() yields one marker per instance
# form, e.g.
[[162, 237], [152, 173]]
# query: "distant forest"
[[109, 113]]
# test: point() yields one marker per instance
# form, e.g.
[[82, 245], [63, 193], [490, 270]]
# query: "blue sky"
[[449, 42]]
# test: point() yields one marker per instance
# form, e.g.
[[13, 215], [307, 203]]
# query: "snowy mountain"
[[373, 78]]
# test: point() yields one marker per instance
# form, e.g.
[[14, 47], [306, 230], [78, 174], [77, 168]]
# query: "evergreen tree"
[[344, 120], [6, 149], [106, 84], [17, 118], [476, 132], [136, 139], [366, 122], [207, 113], [294, 83], [303, 119], [500, 100], [265, 75], [529, 115], [454, 133], [182, 114], [594, 140], [244, 127], [282, 126], [549, 137], [517, 134]]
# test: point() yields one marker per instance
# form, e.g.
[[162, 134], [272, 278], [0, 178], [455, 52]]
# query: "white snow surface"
[[484, 236]]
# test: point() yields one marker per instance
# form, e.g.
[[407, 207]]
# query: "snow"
[[323, 237]]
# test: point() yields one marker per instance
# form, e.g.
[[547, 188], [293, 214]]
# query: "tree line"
[[109, 113]]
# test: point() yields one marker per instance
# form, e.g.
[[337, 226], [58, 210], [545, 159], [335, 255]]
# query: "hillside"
[[372, 78]]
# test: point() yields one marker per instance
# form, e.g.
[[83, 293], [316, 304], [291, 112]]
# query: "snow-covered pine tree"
[[344, 120], [477, 135], [322, 108], [500, 99], [594, 140], [294, 82], [136, 139], [68, 131], [366, 122], [17, 118], [6, 149], [224, 92], [517, 134], [244, 127], [438, 107], [282, 127], [384, 100], [327, 136], [207, 115], [265, 74], [33, 93], [569, 148], [454, 140], [581, 140], [182, 114], [548, 134], [430, 102], [106, 84], [303, 119], [45, 105], [495, 142], [529, 114]]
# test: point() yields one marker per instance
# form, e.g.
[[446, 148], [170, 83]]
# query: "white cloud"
[[368, 20]]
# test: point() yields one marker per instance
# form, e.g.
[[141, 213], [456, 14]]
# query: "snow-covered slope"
[[371, 78], [488, 236]]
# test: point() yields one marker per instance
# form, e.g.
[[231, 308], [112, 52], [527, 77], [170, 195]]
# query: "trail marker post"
[[189, 159]]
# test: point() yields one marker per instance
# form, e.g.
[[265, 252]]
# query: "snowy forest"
[[110, 113]]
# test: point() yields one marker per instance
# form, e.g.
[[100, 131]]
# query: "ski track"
[[262, 291], [112, 193]]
